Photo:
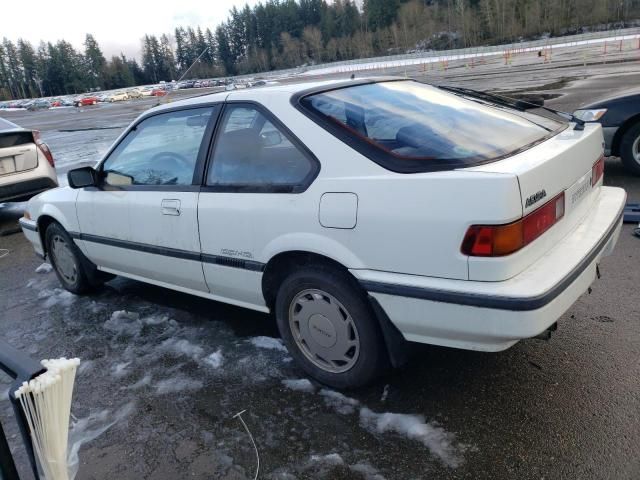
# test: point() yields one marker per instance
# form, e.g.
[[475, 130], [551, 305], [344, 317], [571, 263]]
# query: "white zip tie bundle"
[[46, 401]]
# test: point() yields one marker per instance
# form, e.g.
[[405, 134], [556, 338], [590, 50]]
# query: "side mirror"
[[82, 177], [271, 138]]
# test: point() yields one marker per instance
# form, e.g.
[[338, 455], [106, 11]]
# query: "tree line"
[[289, 33]]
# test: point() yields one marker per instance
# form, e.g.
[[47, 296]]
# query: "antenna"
[[183, 75]]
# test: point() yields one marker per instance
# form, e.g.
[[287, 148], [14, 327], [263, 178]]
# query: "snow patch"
[[85, 430], [385, 393], [124, 323], [56, 296], [120, 369], [44, 268], [178, 347], [367, 471], [155, 319], [414, 427], [329, 459], [143, 382], [176, 384], [85, 366], [300, 385], [269, 343], [215, 360], [339, 402]]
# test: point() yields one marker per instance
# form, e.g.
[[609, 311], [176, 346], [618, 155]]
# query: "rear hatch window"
[[407, 126]]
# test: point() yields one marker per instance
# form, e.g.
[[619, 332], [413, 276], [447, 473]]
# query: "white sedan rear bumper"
[[492, 316]]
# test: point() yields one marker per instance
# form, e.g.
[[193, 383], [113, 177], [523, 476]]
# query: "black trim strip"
[[233, 262], [28, 226], [172, 252], [497, 302]]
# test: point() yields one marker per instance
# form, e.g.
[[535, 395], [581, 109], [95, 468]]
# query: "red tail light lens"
[[597, 171], [44, 148], [500, 240]]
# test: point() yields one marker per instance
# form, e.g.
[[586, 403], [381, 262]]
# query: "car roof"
[[7, 126], [287, 90]]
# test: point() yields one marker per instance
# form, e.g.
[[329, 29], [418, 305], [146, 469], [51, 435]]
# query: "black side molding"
[[497, 302], [172, 252]]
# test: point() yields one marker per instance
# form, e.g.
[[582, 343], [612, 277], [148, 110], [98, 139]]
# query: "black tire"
[[372, 359], [630, 139], [85, 277]]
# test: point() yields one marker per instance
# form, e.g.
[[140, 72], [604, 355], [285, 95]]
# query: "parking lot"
[[164, 373]]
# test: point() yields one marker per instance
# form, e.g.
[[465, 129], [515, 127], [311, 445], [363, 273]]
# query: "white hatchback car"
[[363, 214]]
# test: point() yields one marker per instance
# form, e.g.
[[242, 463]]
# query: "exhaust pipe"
[[546, 335]]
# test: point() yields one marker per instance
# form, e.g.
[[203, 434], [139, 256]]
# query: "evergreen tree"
[[95, 62]]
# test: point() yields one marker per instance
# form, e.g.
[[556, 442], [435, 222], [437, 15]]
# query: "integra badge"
[[536, 197]]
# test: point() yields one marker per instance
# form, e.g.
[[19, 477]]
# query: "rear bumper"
[[24, 190], [492, 316]]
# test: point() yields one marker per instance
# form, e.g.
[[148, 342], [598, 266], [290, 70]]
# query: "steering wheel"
[[171, 162], [164, 158]]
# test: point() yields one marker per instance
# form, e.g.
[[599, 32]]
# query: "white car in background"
[[363, 214], [26, 163], [117, 97]]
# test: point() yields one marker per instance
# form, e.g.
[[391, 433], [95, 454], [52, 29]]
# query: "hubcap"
[[64, 260], [324, 331], [635, 149]]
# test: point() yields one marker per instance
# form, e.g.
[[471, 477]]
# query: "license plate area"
[[7, 165], [577, 192]]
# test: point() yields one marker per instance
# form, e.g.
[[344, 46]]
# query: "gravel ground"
[[164, 373]]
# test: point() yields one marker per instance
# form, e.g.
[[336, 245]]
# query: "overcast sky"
[[118, 25]]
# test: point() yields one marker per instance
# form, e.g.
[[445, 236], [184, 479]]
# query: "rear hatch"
[[562, 164], [18, 152]]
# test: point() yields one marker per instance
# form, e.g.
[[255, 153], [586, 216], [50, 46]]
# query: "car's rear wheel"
[[75, 272], [329, 327], [630, 149]]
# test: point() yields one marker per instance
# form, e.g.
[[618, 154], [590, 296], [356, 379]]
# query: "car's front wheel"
[[630, 149], [329, 327], [75, 272]]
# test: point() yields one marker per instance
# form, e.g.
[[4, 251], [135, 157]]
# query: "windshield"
[[409, 124]]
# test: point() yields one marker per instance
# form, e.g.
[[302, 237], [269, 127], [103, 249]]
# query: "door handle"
[[170, 207]]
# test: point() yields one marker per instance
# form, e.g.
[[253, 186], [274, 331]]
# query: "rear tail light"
[[44, 148], [597, 171], [500, 240]]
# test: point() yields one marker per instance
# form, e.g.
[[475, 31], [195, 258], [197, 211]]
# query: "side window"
[[161, 150], [252, 152]]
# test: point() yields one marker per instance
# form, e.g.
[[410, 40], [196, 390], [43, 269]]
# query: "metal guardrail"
[[454, 54]]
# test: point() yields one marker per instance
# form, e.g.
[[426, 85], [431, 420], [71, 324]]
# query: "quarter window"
[[252, 152], [160, 150]]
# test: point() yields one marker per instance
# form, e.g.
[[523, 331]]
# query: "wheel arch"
[[279, 266], [624, 128], [48, 216]]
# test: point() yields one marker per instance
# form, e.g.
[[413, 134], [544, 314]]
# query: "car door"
[[142, 219], [255, 174]]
